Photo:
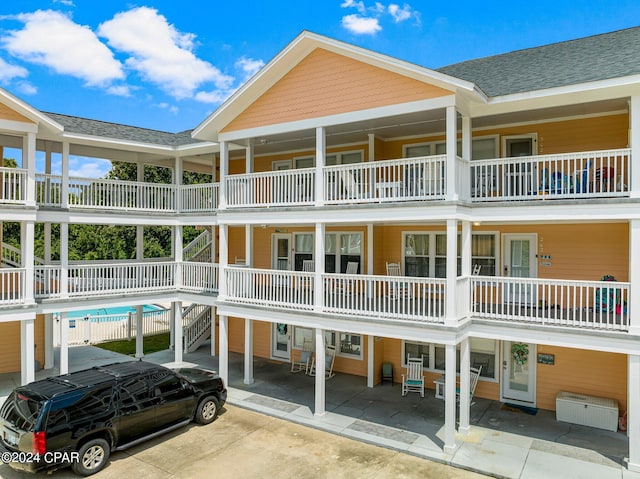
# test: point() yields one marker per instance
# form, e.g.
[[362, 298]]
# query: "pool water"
[[111, 310]]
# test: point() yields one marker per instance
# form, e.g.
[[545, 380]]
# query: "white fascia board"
[[72, 304], [10, 315], [18, 214], [28, 111], [612, 342], [102, 217], [116, 143], [543, 212], [408, 330], [197, 148], [566, 95], [340, 118], [12, 126]]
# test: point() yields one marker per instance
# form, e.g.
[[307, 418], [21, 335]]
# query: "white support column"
[[48, 340], [178, 248], [318, 255], [248, 166], [176, 312], [213, 330], [223, 356], [27, 247], [370, 292], [29, 163], [223, 261], [64, 260], [248, 351], [64, 342], [633, 411], [248, 245], [372, 157], [465, 386], [452, 146], [634, 143], [47, 243], [466, 156], [64, 186], [464, 296], [321, 147], [371, 361], [452, 272], [224, 167], [320, 398], [634, 276], [450, 399], [27, 351]]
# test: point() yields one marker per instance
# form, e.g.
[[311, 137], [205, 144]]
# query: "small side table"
[[439, 382]]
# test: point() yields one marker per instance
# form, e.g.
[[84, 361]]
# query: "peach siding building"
[[504, 192]]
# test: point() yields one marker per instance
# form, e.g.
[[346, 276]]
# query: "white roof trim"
[[28, 111], [297, 50]]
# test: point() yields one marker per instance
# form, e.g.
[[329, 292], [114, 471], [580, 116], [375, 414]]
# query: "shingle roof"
[[105, 129], [599, 57]]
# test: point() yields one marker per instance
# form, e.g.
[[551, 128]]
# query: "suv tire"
[[207, 410], [94, 455]]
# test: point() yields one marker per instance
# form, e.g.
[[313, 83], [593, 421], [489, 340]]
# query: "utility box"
[[587, 410]]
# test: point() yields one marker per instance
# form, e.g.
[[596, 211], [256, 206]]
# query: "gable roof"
[[293, 54], [595, 58]]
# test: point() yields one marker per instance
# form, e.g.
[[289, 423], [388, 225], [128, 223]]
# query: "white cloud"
[[248, 66], [9, 72], [361, 25], [52, 39], [353, 4], [214, 96], [160, 53], [67, 3], [83, 167], [119, 90], [400, 14], [26, 88]]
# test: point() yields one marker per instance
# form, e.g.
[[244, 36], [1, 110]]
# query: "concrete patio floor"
[[502, 442]]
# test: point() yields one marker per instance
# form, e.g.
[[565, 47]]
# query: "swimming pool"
[[112, 310]]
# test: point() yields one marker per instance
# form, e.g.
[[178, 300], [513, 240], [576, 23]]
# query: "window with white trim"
[[350, 345], [484, 352], [331, 159], [300, 334]]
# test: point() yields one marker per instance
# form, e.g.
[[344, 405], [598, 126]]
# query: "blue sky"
[[166, 65]]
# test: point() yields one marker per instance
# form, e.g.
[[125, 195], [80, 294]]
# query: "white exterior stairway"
[[197, 328]]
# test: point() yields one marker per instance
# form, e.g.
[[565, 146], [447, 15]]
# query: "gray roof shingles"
[[599, 57]]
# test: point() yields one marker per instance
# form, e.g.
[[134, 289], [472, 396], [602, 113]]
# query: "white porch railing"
[[583, 304], [12, 286], [197, 198], [407, 179], [49, 190], [586, 174], [271, 188], [392, 297], [121, 195], [199, 277], [47, 281], [13, 182], [270, 288], [108, 279], [11, 256]]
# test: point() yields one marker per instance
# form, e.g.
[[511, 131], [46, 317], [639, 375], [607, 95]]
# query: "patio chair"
[[413, 380], [304, 360], [351, 188], [473, 382], [329, 359], [397, 289]]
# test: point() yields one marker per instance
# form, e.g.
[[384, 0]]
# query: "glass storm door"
[[519, 261], [518, 373], [280, 344]]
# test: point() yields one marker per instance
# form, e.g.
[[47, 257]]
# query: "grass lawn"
[[159, 342]]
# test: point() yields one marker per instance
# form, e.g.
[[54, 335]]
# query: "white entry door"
[[281, 252], [519, 261], [280, 341], [518, 373]]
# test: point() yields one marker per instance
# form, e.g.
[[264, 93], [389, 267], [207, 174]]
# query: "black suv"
[[79, 418]]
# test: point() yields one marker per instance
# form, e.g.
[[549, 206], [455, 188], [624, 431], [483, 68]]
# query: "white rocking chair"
[[413, 380]]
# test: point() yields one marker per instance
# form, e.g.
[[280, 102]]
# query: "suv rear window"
[[21, 411]]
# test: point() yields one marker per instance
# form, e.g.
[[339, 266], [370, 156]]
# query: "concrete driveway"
[[242, 443]]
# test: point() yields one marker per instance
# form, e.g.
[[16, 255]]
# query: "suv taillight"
[[39, 443]]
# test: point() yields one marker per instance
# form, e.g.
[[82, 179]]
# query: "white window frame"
[[300, 333], [433, 145], [341, 353], [338, 155], [432, 358]]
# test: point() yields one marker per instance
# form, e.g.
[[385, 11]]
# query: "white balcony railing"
[[407, 179], [47, 281], [199, 198], [587, 174], [13, 183], [272, 188], [582, 304], [12, 286], [199, 277]]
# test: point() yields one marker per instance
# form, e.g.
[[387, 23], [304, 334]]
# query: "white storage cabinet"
[[587, 410]]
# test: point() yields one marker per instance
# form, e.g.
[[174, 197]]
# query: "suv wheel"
[[94, 455], [207, 410]]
